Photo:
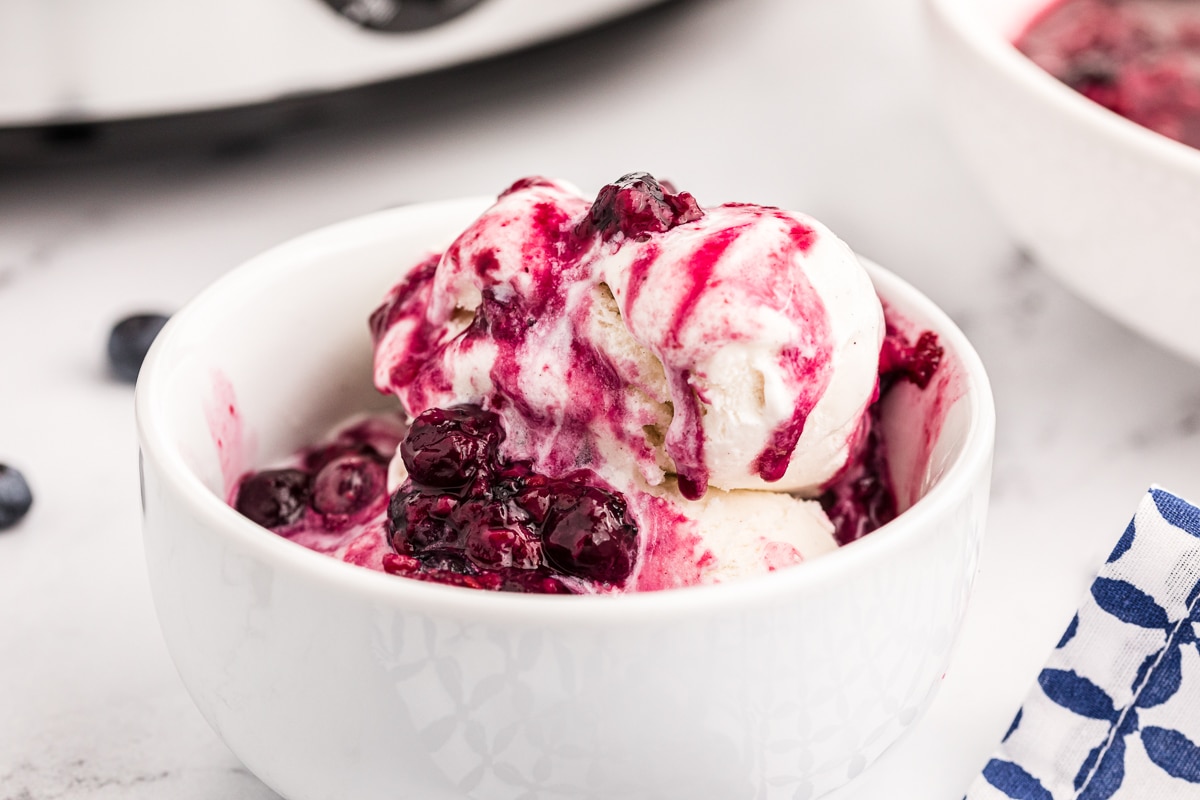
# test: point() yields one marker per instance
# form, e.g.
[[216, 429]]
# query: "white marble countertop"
[[814, 104]]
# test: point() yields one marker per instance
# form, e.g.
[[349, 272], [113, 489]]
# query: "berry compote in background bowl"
[[1110, 207], [330, 680]]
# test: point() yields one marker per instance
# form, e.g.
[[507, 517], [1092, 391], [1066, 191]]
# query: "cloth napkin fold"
[[1116, 709]]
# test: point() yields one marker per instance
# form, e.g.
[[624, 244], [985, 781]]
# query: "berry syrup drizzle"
[[1137, 58]]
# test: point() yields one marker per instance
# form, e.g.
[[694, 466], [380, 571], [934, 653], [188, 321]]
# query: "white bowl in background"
[[330, 680], [1110, 207]]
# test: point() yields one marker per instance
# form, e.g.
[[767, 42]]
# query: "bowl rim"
[[217, 517], [1002, 55]]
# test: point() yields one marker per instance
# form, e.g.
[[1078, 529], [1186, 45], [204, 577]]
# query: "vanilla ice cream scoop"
[[644, 338], [768, 330]]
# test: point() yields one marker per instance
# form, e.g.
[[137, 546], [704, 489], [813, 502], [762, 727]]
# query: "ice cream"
[[736, 346], [629, 394]]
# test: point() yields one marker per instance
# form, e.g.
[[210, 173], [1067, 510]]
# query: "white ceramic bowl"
[[1110, 207], [331, 681]]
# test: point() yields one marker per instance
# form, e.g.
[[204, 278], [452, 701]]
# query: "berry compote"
[[1138, 58], [468, 517], [330, 497]]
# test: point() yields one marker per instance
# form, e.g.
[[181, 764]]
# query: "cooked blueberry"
[[468, 518], [446, 569], [446, 447], [636, 205], [275, 497], [531, 581], [588, 535], [446, 562], [315, 460], [15, 497], [497, 534], [396, 564], [348, 485], [418, 521], [900, 360], [129, 342], [510, 479], [483, 580], [926, 358], [536, 495]]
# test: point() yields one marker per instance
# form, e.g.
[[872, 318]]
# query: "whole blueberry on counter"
[[129, 342], [15, 497]]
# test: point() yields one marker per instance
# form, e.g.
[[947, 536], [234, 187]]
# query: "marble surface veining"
[[822, 106]]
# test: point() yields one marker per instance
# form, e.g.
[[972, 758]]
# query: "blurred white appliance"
[[85, 60]]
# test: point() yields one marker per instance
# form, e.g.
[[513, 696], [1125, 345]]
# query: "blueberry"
[[274, 497], [497, 535], [453, 563], [418, 521], [455, 571], [531, 581], [901, 360], [315, 460], [396, 564], [15, 497], [129, 342], [446, 447], [348, 484], [636, 205], [587, 534]]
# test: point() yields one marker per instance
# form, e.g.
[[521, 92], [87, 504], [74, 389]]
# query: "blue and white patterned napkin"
[[1116, 710]]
